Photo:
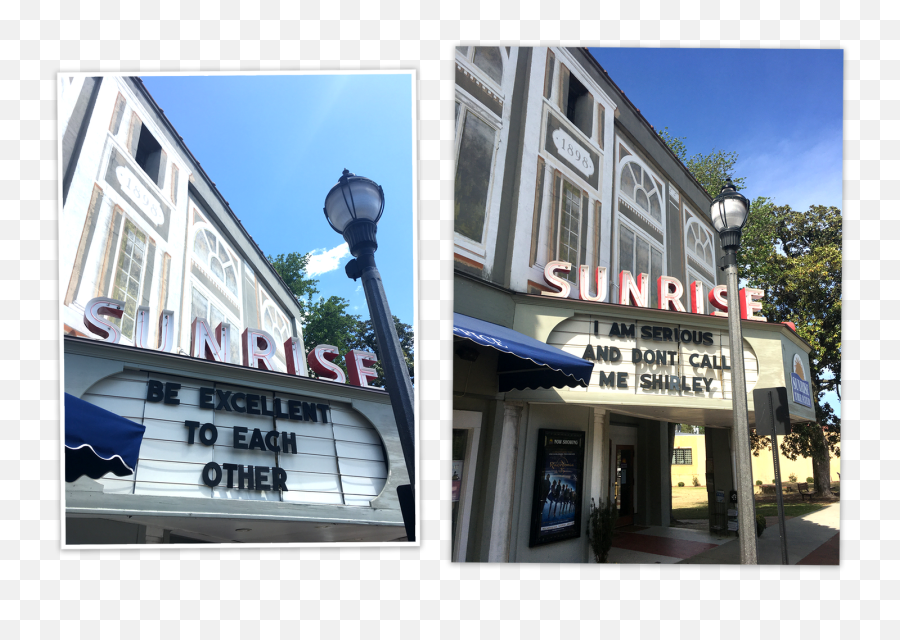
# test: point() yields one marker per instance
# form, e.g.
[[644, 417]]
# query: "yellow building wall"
[[763, 467], [687, 472]]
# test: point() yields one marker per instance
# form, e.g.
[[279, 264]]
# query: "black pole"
[[396, 373]]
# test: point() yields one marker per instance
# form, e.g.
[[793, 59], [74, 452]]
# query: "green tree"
[[796, 259], [327, 321], [292, 269], [710, 169], [367, 342]]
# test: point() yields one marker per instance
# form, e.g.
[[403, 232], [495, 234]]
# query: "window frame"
[[126, 218], [693, 220], [653, 243], [467, 59], [686, 460], [559, 198], [631, 201], [203, 225], [468, 104]]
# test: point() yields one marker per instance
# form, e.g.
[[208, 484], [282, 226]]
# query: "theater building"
[[590, 312], [175, 321]]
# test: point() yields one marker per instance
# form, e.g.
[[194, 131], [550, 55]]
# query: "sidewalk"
[[812, 539]]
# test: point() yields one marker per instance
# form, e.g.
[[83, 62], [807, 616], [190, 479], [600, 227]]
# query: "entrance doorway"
[[623, 484]]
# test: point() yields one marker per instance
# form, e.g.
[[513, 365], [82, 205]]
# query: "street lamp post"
[[729, 215], [353, 207]]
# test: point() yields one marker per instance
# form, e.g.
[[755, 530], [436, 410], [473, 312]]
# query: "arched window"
[[277, 326], [215, 258], [699, 242], [637, 184]]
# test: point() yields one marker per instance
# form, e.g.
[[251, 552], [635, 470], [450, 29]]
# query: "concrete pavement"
[[812, 539], [805, 535]]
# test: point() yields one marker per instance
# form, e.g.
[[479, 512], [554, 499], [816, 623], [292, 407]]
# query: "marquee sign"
[[258, 347], [653, 358], [637, 292], [209, 439]]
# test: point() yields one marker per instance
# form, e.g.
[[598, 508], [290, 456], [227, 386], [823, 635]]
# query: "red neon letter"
[[359, 366], [670, 290], [631, 293], [257, 347], [551, 279], [320, 361]]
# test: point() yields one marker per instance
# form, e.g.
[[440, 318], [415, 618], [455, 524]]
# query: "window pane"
[[199, 305], [488, 60], [648, 184], [473, 175], [216, 267], [230, 280], [641, 198], [628, 183], [201, 247], [655, 211], [569, 227], [642, 262], [127, 281], [626, 249], [655, 273], [580, 106]]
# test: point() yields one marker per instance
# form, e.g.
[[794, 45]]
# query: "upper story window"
[[576, 102], [642, 189], [147, 151], [487, 59], [275, 323], [129, 274], [699, 242], [477, 144], [211, 253]]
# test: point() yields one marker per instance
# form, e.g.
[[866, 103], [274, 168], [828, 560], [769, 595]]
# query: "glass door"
[[623, 487]]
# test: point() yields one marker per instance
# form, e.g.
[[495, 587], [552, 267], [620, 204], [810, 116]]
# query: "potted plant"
[[600, 528]]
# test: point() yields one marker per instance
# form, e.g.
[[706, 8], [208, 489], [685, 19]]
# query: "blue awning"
[[99, 441], [524, 363]]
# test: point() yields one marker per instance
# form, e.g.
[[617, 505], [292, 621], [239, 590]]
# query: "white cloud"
[[322, 260]]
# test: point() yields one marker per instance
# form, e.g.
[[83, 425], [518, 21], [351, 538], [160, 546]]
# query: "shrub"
[[680, 484], [696, 482], [792, 478], [759, 483], [600, 528], [773, 480], [811, 480], [760, 524]]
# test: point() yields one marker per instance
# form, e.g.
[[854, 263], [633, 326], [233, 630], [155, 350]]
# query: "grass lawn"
[[690, 503]]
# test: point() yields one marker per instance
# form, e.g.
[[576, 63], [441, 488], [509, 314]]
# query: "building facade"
[[201, 311], [577, 227]]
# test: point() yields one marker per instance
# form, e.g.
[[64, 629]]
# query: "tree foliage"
[[710, 169], [327, 321], [795, 257]]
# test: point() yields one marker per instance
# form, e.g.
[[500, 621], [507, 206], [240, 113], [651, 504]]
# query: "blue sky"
[[275, 145], [781, 110]]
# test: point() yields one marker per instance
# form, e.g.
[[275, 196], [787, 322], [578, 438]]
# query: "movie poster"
[[559, 475]]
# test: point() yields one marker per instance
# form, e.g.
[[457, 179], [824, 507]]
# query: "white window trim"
[[659, 183], [638, 232], [471, 422], [235, 260], [267, 303], [126, 217], [187, 304], [469, 104], [466, 62], [692, 219], [574, 68]]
